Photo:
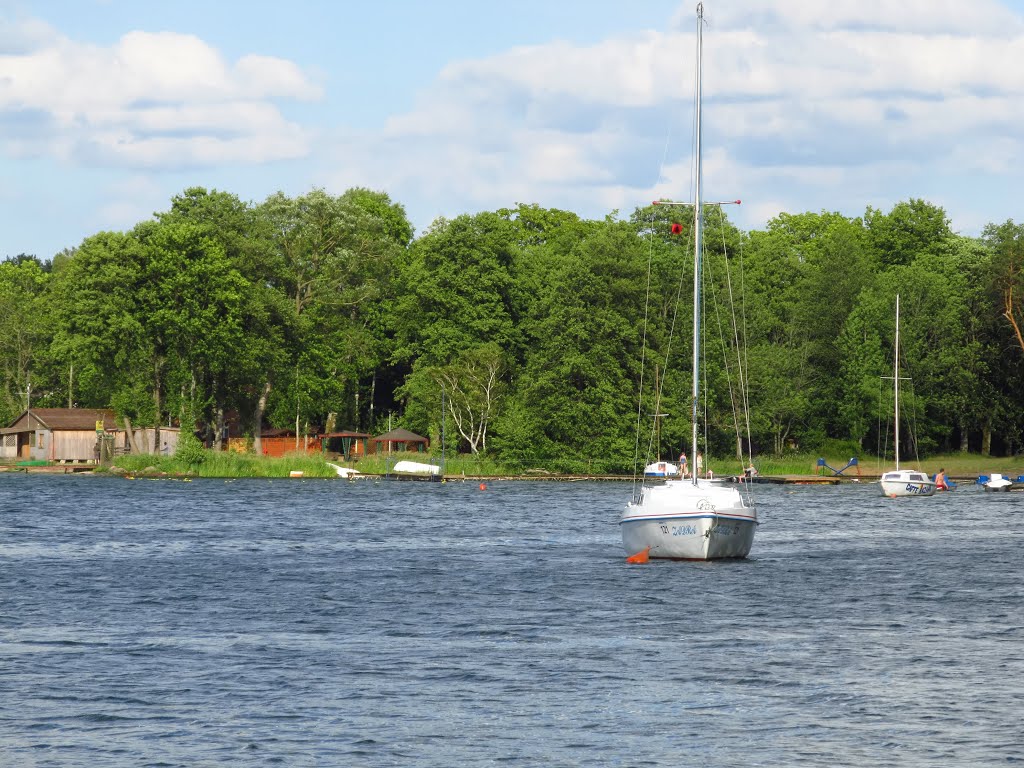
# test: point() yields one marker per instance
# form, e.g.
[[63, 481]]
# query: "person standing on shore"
[[682, 464]]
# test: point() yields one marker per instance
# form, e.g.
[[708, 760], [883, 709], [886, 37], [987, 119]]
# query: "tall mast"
[[896, 381], [698, 221]]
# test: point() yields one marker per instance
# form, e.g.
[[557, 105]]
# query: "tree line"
[[527, 331]]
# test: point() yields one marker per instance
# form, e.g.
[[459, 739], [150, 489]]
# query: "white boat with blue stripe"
[[902, 482], [689, 519]]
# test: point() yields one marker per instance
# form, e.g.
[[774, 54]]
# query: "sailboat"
[[690, 518], [903, 482]]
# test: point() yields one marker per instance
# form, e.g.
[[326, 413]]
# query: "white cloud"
[[151, 100], [129, 201], [982, 17], [266, 76], [626, 72], [808, 105]]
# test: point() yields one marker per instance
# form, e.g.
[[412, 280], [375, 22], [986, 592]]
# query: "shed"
[[399, 440], [350, 445], [56, 434]]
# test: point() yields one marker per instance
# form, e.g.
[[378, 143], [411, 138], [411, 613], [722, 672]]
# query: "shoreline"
[[789, 479]]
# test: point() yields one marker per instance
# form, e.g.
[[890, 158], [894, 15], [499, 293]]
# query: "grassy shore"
[[237, 465], [227, 465], [232, 465], [955, 464]]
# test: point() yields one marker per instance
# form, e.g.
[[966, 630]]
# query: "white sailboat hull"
[[683, 521], [905, 482]]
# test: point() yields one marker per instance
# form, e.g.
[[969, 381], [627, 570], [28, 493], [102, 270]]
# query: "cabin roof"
[[62, 419]]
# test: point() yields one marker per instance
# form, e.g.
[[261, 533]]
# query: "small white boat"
[[690, 519], [662, 469], [416, 468], [998, 482], [902, 482]]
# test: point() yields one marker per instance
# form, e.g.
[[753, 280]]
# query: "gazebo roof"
[[400, 436]]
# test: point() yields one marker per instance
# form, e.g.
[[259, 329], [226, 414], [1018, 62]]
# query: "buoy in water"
[[483, 486], [642, 556]]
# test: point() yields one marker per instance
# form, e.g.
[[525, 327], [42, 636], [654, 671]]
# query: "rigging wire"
[[647, 303], [881, 448], [735, 408], [668, 348], [643, 353], [912, 420]]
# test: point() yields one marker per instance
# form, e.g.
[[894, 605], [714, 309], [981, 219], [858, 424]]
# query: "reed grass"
[[230, 465]]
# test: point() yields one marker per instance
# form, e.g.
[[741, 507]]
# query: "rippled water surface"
[[316, 623]]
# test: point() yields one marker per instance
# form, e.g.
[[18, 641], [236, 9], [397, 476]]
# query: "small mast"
[[698, 223]]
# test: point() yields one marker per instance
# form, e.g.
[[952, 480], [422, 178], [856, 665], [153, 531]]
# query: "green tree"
[[472, 387], [266, 322], [1007, 243], [339, 255], [806, 274], [456, 294], [574, 400], [457, 290], [910, 228], [149, 314], [1001, 322], [193, 302], [24, 331], [939, 358]]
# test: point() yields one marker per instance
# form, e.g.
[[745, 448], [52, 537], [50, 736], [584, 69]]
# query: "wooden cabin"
[[72, 435], [56, 434]]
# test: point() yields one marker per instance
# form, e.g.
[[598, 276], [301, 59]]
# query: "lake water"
[[323, 623]]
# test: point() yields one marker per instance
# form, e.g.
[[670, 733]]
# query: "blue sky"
[[108, 108]]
